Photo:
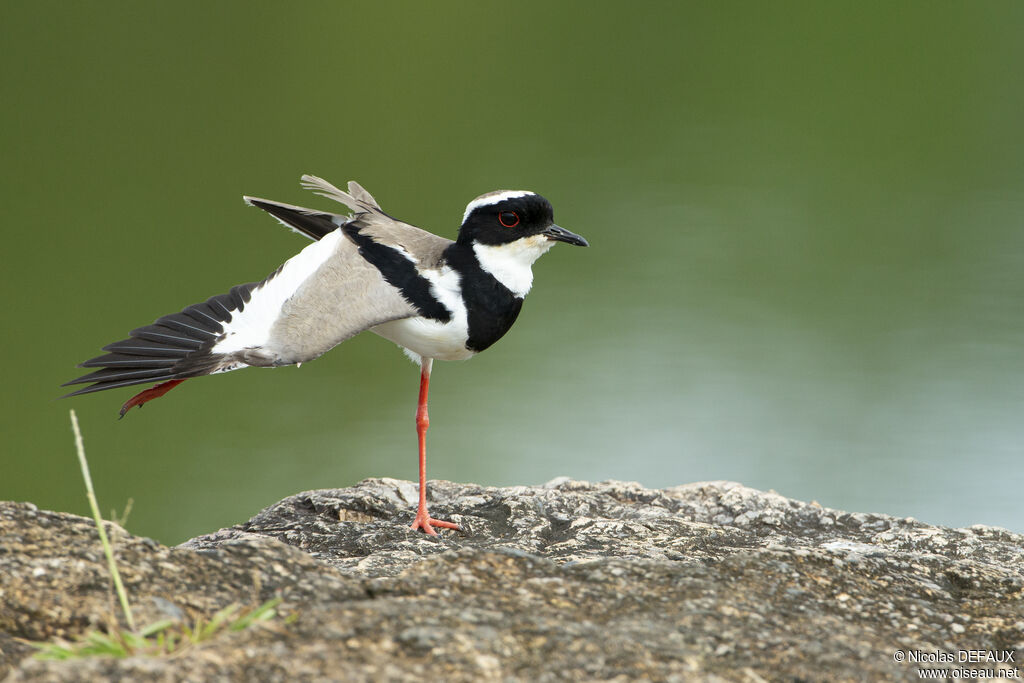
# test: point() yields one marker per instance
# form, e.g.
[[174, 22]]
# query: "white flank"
[[511, 263], [251, 327], [429, 338], [493, 198]]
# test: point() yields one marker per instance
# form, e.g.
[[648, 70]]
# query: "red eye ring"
[[512, 222]]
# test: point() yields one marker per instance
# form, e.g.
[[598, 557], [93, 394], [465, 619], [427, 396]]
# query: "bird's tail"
[[357, 198]]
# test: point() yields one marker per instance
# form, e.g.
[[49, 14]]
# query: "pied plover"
[[436, 298]]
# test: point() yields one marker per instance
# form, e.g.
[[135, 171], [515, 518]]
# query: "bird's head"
[[519, 217]]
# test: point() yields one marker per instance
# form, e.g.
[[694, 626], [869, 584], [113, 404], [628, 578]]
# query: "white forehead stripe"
[[493, 198]]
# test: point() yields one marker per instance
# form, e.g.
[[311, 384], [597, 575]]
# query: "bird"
[[436, 298]]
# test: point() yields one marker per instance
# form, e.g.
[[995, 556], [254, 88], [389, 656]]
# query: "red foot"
[[149, 394], [426, 523]]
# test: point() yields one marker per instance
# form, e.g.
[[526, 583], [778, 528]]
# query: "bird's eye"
[[509, 219]]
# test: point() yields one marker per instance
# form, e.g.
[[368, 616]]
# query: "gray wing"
[[343, 296], [317, 299], [328, 292]]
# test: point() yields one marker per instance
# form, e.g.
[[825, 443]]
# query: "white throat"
[[510, 264]]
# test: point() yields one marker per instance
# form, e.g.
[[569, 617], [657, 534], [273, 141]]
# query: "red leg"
[[423, 520], [149, 394]]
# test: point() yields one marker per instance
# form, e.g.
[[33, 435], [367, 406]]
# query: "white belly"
[[429, 338]]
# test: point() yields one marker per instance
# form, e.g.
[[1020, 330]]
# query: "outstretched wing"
[[320, 297], [174, 347]]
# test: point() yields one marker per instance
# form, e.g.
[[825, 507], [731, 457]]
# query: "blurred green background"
[[806, 218]]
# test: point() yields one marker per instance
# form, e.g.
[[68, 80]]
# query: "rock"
[[568, 581]]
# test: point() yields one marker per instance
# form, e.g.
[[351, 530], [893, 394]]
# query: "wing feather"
[[317, 299]]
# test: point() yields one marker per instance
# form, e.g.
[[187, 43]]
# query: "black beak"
[[553, 232]]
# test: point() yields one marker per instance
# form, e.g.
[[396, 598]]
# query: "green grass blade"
[[264, 612], [107, 549], [218, 620], [156, 627]]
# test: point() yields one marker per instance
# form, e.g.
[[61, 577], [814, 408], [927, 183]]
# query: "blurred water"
[[804, 275]]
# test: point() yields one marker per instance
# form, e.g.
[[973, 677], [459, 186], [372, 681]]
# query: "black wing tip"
[[84, 390], [79, 392], [310, 222], [103, 385], [174, 347]]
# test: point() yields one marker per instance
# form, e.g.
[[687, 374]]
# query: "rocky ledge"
[[567, 581]]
